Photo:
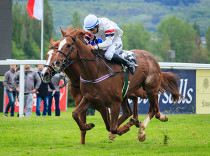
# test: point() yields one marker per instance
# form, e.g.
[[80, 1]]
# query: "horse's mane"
[[75, 32]]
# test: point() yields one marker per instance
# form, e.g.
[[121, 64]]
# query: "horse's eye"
[[68, 45]]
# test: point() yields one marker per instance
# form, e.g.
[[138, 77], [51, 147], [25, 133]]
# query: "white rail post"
[[21, 93]]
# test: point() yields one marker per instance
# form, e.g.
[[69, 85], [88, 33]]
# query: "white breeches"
[[116, 47]]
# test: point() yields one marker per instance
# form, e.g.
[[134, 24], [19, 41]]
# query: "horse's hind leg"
[[153, 99], [135, 111], [152, 84], [159, 115]]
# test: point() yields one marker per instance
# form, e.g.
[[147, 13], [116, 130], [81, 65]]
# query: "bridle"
[[53, 72], [70, 51], [66, 61], [66, 64]]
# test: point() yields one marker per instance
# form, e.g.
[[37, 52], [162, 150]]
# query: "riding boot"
[[116, 58]]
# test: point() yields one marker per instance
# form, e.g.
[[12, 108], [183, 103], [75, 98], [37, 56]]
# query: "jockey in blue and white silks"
[[110, 34], [95, 41]]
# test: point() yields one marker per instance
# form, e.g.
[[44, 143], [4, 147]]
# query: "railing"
[[21, 79], [190, 66], [163, 65]]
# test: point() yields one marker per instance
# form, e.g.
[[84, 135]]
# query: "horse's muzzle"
[[57, 66]]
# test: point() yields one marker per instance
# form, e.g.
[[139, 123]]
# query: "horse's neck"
[[73, 73], [88, 69]]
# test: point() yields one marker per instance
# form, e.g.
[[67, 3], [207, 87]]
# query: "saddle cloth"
[[129, 56]]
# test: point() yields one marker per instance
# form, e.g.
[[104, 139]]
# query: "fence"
[[193, 67], [21, 81]]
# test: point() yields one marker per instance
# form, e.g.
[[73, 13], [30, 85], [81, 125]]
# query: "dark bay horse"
[[72, 72], [108, 93]]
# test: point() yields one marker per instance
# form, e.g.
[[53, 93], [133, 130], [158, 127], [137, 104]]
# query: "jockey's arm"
[[106, 43]]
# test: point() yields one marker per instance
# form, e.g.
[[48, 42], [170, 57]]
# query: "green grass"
[[186, 135]]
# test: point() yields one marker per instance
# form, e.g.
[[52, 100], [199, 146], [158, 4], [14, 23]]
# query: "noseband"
[[53, 72], [71, 50], [65, 62]]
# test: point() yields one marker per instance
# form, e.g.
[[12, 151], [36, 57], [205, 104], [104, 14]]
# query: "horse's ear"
[[62, 32], [52, 40], [81, 34]]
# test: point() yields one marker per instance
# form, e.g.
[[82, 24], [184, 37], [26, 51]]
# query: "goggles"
[[92, 29]]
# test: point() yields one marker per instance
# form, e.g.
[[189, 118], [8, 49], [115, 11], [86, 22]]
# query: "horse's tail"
[[169, 83]]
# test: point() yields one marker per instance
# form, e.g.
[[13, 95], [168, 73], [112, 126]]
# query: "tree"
[[207, 37], [18, 26], [198, 34], [159, 47], [26, 32], [182, 38], [135, 36], [76, 21]]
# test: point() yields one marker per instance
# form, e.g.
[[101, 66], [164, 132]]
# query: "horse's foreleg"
[[105, 115], [127, 112], [82, 108], [115, 109], [83, 133], [126, 127]]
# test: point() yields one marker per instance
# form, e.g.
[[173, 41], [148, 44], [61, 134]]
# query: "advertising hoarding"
[[203, 91], [187, 87], [62, 104]]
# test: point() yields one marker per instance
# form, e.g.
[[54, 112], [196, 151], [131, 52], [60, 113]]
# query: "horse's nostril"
[[46, 74], [57, 63]]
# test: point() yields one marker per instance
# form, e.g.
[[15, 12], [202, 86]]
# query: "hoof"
[[142, 137], [112, 136], [137, 123], [163, 118], [91, 125]]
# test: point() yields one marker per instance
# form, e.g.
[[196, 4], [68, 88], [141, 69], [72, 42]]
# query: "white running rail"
[[21, 80], [163, 65]]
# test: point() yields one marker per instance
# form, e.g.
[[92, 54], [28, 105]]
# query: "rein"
[[71, 50], [53, 72], [101, 78], [98, 56]]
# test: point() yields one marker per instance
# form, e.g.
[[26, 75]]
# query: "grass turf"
[[185, 134]]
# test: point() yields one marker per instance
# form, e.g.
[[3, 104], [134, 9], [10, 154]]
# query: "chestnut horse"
[[72, 72], [108, 93]]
